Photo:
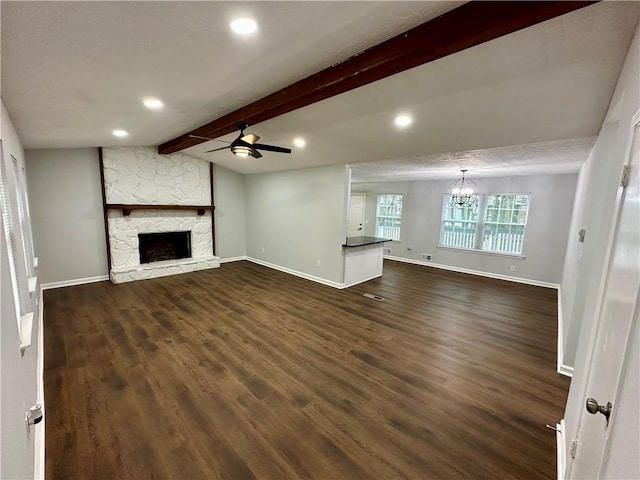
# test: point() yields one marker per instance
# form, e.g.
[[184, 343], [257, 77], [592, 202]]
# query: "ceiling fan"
[[245, 145]]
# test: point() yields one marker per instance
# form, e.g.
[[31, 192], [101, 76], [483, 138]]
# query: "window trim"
[[483, 252], [400, 233], [480, 226], [14, 233]]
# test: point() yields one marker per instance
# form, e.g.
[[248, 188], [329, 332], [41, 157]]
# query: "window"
[[389, 216], [16, 230], [504, 222], [459, 224], [496, 223], [10, 234]]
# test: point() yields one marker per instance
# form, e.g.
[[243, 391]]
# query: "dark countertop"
[[362, 241]]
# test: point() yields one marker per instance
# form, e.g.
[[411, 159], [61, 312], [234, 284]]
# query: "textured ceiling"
[[73, 71], [563, 156]]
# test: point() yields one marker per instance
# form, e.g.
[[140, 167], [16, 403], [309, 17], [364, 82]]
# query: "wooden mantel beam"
[[471, 24]]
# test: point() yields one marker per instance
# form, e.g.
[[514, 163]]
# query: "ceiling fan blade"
[[255, 153], [271, 148], [216, 149], [250, 138]]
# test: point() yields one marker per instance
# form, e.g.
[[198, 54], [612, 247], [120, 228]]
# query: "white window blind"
[[10, 233], [20, 189]]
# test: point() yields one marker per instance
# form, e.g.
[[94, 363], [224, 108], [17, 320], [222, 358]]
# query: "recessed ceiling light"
[[403, 120], [153, 103], [244, 25], [299, 142], [120, 133]]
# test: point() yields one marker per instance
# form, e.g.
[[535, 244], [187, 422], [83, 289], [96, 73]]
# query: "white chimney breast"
[[138, 175]]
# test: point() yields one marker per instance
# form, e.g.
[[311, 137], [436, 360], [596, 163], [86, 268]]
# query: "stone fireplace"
[[154, 226]]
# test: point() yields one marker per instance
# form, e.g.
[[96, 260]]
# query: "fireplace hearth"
[[156, 247]]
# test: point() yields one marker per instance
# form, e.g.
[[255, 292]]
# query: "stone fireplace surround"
[[140, 176]]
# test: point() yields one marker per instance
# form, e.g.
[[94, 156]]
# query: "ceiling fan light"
[[241, 150]]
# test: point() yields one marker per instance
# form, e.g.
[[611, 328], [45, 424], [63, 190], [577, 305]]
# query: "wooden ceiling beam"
[[471, 24]]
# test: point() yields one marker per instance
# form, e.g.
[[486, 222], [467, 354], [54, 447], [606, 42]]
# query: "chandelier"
[[463, 192]]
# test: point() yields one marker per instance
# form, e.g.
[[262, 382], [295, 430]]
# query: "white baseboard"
[[233, 259], [360, 281], [76, 281], [313, 278], [38, 471], [565, 370], [561, 460], [497, 276]]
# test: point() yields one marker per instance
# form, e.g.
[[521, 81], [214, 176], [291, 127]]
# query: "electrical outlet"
[[426, 256], [262, 249], [318, 263], [513, 268]]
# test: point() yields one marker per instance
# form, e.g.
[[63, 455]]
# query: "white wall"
[[595, 200], [66, 208], [545, 236], [595, 206], [229, 194], [18, 370], [298, 218]]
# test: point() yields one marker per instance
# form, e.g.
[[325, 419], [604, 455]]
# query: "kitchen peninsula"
[[362, 259]]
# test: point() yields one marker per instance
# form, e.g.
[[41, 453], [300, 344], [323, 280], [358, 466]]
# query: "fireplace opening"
[[155, 247]]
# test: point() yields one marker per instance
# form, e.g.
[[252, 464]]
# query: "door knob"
[[593, 408]]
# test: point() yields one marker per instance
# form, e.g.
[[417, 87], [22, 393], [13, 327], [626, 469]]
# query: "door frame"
[[596, 326], [364, 208]]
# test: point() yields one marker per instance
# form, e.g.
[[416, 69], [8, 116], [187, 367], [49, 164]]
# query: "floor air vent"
[[374, 297]]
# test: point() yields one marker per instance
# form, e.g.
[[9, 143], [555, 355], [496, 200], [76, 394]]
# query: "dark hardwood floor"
[[244, 372]]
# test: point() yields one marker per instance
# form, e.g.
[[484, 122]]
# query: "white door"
[[610, 356], [355, 223]]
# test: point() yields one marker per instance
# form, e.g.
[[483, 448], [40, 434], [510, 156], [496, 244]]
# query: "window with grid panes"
[[504, 223], [496, 223], [389, 216], [459, 224]]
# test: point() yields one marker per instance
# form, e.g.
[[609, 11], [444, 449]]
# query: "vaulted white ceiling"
[[529, 102]]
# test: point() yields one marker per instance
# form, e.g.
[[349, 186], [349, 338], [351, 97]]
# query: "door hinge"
[[572, 448], [624, 179]]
